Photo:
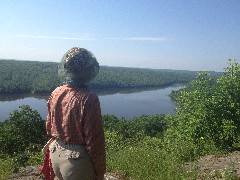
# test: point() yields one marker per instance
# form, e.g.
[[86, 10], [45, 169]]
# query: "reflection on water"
[[126, 103], [14, 97], [99, 92]]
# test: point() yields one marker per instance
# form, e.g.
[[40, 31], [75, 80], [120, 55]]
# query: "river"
[[125, 103]]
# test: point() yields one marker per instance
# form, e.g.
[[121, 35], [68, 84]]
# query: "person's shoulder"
[[86, 95], [93, 98], [93, 95], [57, 89], [82, 90]]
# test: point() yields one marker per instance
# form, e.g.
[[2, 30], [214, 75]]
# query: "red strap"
[[46, 168]]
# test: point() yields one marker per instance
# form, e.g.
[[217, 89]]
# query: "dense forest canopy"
[[27, 76], [36, 77]]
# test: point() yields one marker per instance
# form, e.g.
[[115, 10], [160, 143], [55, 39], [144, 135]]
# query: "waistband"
[[62, 144], [71, 151]]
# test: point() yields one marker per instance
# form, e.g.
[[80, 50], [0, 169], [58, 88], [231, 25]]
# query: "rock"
[[27, 173], [32, 173], [212, 166]]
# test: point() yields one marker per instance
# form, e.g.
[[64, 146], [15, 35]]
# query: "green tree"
[[152, 126], [210, 109], [23, 129]]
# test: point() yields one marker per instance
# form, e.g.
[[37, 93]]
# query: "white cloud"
[[143, 39], [80, 38], [89, 37]]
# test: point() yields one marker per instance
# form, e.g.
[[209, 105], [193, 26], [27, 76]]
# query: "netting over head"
[[79, 65]]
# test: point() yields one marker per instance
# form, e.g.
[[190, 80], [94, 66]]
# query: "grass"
[[146, 159], [10, 165], [6, 168]]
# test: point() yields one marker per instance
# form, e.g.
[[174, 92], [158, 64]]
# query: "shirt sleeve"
[[94, 135]]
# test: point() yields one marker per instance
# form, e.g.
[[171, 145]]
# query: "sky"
[[199, 35]]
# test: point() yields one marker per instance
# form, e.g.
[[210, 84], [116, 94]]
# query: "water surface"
[[126, 104]]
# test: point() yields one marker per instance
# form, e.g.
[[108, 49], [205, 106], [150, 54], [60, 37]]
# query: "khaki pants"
[[71, 162]]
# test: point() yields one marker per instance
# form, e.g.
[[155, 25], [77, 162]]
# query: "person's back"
[[74, 121], [66, 107]]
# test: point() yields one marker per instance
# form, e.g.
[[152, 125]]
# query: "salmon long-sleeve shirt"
[[74, 116]]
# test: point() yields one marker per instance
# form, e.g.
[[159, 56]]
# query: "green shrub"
[[134, 155], [6, 168], [146, 159], [153, 126], [210, 109], [23, 130]]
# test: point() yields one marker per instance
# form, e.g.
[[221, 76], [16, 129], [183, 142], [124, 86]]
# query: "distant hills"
[[37, 77]]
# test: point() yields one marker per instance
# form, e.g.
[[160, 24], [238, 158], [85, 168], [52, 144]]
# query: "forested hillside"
[[27, 76], [36, 77]]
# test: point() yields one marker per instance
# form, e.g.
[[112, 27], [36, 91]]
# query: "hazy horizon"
[[118, 66]]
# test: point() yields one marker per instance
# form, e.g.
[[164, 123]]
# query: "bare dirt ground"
[[209, 167], [217, 167]]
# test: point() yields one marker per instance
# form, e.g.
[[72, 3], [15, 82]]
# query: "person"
[[77, 148]]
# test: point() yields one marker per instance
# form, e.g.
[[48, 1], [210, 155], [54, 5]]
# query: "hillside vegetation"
[[37, 77], [149, 147]]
